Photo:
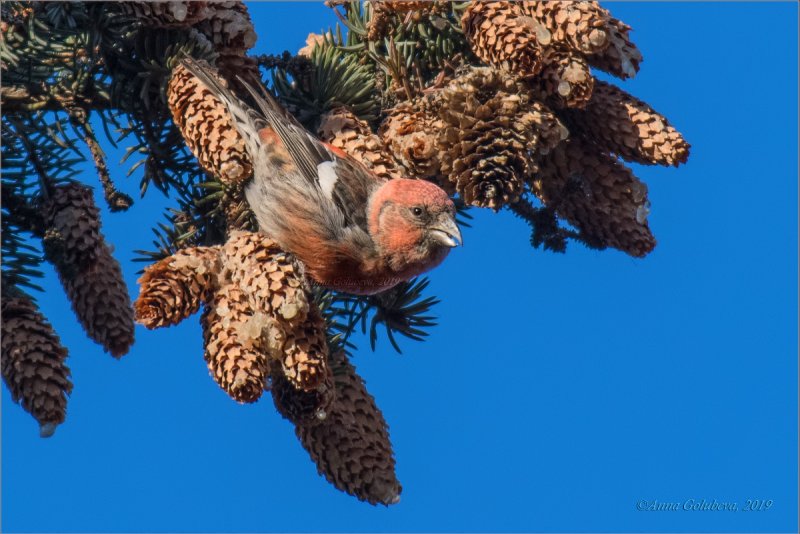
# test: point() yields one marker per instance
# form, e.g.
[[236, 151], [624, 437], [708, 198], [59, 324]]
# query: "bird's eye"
[[417, 211]]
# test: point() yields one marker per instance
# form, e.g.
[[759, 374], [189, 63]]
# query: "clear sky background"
[[558, 390]]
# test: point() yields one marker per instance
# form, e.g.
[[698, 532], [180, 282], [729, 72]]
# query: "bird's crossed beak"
[[445, 231]]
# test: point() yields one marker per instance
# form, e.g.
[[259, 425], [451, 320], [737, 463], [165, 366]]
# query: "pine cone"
[[565, 80], [234, 65], [232, 333], [173, 289], [351, 446], [91, 277], [621, 58], [304, 408], [33, 363], [379, 23], [620, 123], [580, 26], [493, 130], [273, 284], [228, 27], [207, 128], [342, 129], [101, 302], [173, 14], [305, 352], [72, 238], [271, 279], [411, 132], [402, 6], [502, 35], [596, 194], [312, 41]]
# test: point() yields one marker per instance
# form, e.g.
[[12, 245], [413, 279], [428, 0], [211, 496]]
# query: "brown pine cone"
[[596, 194], [91, 277], [232, 333], [305, 352], [580, 26], [411, 133], [270, 278], [566, 80], [379, 23], [342, 129], [621, 123], [402, 6], [72, 238], [621, 58], [175, 287], [207, 128], [173, 14], [502, 35], [493, 132], [228, 26], [235, 64], [304, 408], [101, 302], [351, 446], [273, 285], [33, 362]]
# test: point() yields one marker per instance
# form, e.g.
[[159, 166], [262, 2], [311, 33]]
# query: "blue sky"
[[557, 391]]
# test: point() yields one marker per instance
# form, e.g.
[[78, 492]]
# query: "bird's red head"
[[413, 224]]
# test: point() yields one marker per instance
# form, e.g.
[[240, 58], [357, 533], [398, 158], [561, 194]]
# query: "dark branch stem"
[[116, 201]]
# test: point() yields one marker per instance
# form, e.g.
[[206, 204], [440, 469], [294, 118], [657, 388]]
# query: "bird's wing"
[[343, 181]]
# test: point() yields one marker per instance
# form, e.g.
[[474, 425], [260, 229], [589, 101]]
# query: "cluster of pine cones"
[[33, 359], [263, 331], [535, 120], [532, 120]]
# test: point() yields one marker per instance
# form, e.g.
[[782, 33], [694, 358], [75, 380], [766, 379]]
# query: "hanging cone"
[[232, 337], [91, 277], [235, 64], [402, 6], [620, 123], [180, 14], [228, 26], [273, 284], [271, 279], [621, 58], [33, 362], [411, 133], [207, 128], [351, 446], [342, 129], [238, 214], [566, 80], [379, 23], [72, 238], [101, 302], [580, 26], [312, 41], [304, 408], [598, 195], [304, 353], [493, 132], [502, 35], [175, 287]]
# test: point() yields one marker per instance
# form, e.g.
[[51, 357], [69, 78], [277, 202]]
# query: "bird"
[[353, 231]]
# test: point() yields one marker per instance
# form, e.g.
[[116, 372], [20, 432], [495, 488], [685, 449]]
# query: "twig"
[[116, 200]]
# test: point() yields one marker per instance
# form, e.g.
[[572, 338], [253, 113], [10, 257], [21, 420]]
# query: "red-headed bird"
[[355, 232]]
